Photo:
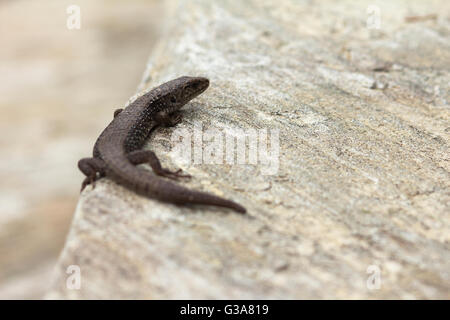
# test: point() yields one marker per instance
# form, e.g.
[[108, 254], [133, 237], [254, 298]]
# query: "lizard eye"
[[173, 99]]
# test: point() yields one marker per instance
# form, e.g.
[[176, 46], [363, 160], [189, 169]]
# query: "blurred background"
[[59, 89]]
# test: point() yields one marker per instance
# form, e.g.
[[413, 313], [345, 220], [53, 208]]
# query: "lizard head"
[[183, 89]]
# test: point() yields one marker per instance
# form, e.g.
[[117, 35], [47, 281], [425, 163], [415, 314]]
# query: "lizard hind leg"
[[147, 156], [93, 168]]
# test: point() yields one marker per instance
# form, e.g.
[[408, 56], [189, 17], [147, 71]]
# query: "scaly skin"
[[117, 150]]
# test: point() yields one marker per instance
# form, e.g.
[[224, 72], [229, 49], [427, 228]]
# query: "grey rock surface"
[[358, 203]]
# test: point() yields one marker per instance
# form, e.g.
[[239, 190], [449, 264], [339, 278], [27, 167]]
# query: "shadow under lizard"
[[118, 148]]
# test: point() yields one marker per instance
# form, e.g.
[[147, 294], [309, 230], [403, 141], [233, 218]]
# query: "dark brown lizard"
[[118, 149]]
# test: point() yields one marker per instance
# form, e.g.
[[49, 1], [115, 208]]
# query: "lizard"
[[118, 149]]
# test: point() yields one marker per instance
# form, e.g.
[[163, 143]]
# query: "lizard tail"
[[144, 183]]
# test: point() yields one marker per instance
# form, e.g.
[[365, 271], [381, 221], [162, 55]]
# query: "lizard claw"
[[175, 119], [84, 184], [175, 175], [87, 181]]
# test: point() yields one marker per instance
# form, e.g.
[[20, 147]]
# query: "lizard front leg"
[[164, 119], [90, 167], [116, 113], [147, 156], [168, 119]]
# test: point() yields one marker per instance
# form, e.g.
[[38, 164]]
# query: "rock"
[[354, 202]]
